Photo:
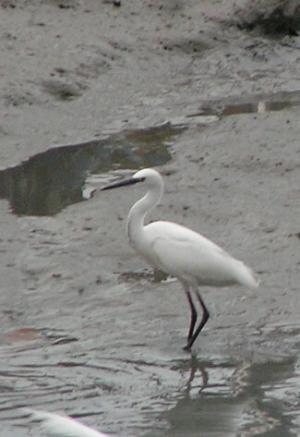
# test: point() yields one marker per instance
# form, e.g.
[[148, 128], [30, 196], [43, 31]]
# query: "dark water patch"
[[248, 108], [248, 105], [225, 398], [49, 181], [152, 275]]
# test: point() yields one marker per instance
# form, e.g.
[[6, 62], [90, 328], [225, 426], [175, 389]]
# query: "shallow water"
[[49, 181], [151, 396], [138, 382], [250, 104]]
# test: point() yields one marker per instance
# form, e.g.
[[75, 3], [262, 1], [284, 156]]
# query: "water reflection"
[[54, 179], [218, 397], [223, 398]]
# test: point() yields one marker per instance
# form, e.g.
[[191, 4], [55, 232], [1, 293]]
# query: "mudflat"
[[86, 326]]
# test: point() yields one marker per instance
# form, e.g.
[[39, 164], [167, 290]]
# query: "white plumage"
[[56, 425], [179, 251], [189, 256]]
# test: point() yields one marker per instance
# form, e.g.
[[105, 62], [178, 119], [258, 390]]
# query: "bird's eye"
[[140, 179]]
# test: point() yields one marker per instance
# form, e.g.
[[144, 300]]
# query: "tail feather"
[[246, 276]]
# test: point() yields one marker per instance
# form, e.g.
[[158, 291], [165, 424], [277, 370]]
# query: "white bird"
[[56, 425], [190, 257]]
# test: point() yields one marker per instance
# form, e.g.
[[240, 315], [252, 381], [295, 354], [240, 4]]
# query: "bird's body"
[[56, 425], [191, 257], [179, 251]]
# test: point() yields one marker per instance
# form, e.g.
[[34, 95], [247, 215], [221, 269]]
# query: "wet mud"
[[86, 327]]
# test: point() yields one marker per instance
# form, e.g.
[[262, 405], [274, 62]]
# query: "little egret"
[[190, 257], [56, 425]]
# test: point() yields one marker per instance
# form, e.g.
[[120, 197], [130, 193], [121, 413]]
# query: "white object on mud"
[[179, 251], [56, 425]]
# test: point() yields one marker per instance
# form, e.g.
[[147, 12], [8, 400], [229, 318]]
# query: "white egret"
[[56, 425], [190, 257]]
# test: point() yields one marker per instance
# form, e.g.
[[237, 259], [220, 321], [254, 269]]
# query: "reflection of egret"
[[62, 426], [197, 366], [206, 405], [179, 251], [201, 372], [196, 369]]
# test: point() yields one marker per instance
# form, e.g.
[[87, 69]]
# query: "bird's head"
[[149, 176]]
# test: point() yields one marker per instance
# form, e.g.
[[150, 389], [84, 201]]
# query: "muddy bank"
[[84, 326], [85, 70]]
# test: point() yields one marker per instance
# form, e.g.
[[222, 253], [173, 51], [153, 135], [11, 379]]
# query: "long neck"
[[135, 223]]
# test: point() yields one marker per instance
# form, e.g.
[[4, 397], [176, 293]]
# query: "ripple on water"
[[149, 393]]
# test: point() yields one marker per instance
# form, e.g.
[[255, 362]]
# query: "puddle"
[[247, 105], [149, 275], [49, 181]]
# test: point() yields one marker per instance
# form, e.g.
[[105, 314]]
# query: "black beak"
[[123, 183]]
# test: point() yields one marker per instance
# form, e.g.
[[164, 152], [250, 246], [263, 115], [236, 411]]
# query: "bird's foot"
[[187, 348]]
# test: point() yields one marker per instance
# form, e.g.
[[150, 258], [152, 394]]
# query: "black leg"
[[193, 314], [205, 317]]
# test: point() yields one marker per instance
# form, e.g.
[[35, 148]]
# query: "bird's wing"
[[185, 253], [56, 425]]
